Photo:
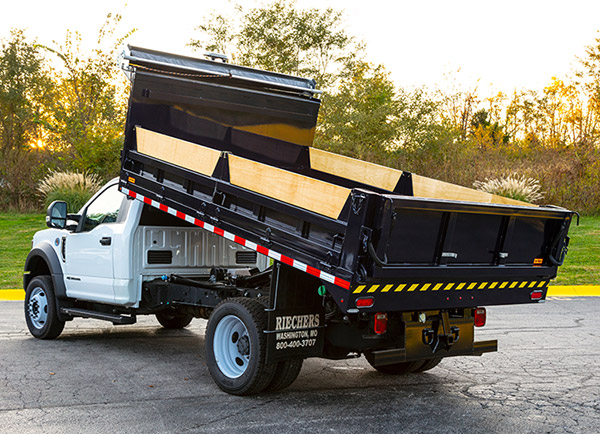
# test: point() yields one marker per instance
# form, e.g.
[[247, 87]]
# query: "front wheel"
[[236, 347], [40, 309]]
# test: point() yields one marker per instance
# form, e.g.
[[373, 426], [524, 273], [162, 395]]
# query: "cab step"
[[116, 319]]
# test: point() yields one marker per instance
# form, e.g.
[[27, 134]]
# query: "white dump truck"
[[224, 211]]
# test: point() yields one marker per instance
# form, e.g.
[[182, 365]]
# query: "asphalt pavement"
[[141, 378]]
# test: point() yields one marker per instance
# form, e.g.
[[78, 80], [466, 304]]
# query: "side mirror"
[[56, 216]]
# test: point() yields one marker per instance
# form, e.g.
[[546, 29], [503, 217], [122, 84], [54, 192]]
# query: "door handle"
[[105, 241]]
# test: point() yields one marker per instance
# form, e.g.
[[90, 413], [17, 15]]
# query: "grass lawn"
[[582, 264], [16, 231], [581, 267]]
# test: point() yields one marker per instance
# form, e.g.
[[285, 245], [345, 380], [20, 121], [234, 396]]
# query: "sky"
[[494, 45]]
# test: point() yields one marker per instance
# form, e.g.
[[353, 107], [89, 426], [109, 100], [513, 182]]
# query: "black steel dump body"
[[227, 148]]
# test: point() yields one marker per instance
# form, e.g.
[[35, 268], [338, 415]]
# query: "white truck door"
[[89, 251]]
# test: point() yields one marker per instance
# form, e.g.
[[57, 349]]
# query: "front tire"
[[41, 313], [236, 347]]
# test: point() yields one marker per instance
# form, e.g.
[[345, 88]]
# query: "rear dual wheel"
[[236, 347], [286, 371], [236, 350], [285, 374], [427, 365]]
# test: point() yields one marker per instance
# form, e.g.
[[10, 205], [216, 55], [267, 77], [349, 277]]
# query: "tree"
[[359, 119], [368, 118], [90, 113], [487, 132], [590, 72], [279, 37], [217, 34], [25, 89], [589, 80]]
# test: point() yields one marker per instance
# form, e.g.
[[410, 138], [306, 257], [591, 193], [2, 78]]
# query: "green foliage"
[[71, 118], [89, 114], [359, 120], [217, 34], [589, 75], [25, 91], [279, 37], [73, 187], [366, 117], [452, 134]]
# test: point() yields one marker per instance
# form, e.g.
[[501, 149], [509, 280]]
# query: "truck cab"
[[105, 252]]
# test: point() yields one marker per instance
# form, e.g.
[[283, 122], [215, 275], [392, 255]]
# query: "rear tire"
[[285, 374], [396, 368], [41, 313], [427, 365], [236, 347], [171, 318]]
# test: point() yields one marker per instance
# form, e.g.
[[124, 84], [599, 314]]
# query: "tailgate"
[[432, 254]]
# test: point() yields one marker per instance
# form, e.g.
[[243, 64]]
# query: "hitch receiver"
[[441, 335]]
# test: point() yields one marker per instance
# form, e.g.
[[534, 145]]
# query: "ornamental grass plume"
[[512, 186], [73, 187]]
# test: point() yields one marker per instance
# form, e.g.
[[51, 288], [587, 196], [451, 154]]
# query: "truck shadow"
[[141, 361], [159, 345]]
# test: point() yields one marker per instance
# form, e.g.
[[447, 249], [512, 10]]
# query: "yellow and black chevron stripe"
[[448, 286]]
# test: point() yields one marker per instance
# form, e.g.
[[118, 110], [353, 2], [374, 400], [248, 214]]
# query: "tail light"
[[365, 302], [479, 316], [536, 295], [380, 323]]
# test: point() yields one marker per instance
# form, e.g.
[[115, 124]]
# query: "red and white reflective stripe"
[[239, 240]]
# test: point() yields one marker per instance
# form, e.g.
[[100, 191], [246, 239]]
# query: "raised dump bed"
[[227, 148]]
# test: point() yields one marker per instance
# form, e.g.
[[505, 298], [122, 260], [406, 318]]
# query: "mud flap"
[[296, 316]]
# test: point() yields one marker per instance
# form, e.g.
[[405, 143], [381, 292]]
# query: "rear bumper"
[[420, 345], [399, 355]]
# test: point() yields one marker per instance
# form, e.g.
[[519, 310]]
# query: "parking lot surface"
[[141, 378]]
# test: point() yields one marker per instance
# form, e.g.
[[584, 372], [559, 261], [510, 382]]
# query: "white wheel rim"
[[37, 308], [231, 346]]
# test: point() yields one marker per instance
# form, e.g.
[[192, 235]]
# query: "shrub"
[[73, 187], [513, 186]]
